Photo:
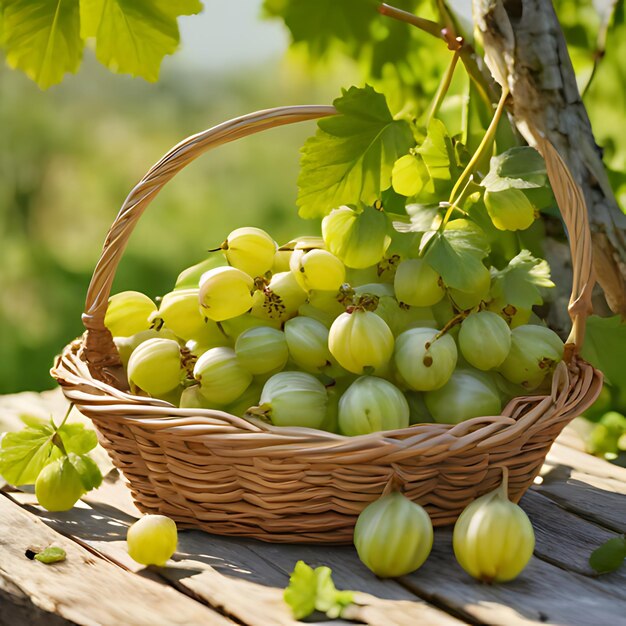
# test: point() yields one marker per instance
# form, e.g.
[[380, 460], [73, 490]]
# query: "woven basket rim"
[[163, 413]]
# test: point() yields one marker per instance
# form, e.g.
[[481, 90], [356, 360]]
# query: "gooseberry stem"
[[442, 90], [457, 319], [485, 145], [67, 414]]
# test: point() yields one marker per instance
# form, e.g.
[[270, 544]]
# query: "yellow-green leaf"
[[351, 157], [42, 38], [133, 36]]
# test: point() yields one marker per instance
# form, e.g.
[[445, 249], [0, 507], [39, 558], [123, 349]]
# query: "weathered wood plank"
[[84, 589], [590, 497], [543, 593], [221, 571], [566, 540]]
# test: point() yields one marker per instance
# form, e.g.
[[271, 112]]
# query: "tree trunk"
[[525, 49]]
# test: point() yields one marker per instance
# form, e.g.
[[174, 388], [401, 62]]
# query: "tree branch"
[[525, 49]]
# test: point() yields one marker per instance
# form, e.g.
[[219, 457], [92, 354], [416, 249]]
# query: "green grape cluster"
[[353, 332]]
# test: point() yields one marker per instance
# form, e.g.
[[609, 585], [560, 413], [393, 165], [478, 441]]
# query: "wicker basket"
[[226, 475]]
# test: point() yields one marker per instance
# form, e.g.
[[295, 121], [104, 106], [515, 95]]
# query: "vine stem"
[[485, 145], [447, 34], [444, 85]]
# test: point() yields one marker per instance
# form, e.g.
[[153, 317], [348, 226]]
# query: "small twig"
[[450, 37], [600, 50]]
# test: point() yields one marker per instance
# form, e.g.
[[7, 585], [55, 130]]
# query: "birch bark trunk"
[[525, 49]]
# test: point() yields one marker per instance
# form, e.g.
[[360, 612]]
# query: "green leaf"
[[133, 36], [51, 555], [605, 346], [32, 420], [518, 168], [609, 556], [350, 158], [42, 38], [89, 472], [313, 589], [321, 23], [328, 599], [300, 594], [438, 154], [509, 209], [409, 175], [520, 282], [25, 453], [456, 252], [76, 438], [422, 216]]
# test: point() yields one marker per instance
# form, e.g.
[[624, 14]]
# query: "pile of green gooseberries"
[[352, 332]]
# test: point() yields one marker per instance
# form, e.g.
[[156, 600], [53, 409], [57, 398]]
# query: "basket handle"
[[99, 350], [571, 203]]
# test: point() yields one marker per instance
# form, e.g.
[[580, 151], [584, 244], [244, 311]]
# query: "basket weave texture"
[[227, 475]]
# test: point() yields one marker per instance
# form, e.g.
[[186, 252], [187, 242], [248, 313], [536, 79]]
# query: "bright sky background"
[[231, 33]]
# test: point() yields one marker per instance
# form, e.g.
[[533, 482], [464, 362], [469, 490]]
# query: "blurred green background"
[[69, 156]]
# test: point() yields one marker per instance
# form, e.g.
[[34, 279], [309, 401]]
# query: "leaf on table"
[[609, 556], [521, 281], [25, 453], [89, 472], [42, 38], [300, 594], [313, 589], [605, 347], [328, 599], [350, 158], [52, 554], [456, 252], [133, 36]]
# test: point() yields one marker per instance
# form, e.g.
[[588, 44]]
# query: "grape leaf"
[[350, 158], [456, 252], [89, 472], [609, 556], [313, 589], [520, 281], [42, 38], [52, 554], [133, 36], [25, 453], [605, 346]]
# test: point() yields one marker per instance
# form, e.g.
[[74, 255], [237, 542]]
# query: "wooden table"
[[578, 503]]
